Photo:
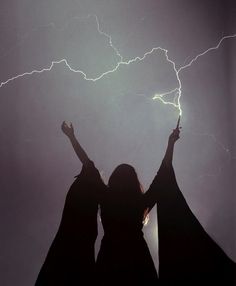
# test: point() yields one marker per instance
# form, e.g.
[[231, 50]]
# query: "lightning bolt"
[[176, 92], [120, 63]]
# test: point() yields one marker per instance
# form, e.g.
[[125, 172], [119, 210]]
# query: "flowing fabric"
[[124, 257], [187, 254], [70, 259]]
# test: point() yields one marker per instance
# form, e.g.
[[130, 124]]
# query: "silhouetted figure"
[[71, 260], [124, 257], [187, 254]]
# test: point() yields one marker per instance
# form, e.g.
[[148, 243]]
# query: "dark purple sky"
[[115, 118]]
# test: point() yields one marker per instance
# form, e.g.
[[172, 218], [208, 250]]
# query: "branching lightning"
[[120, 63], [176, 92]]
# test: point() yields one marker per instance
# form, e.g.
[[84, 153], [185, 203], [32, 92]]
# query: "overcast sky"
[[115, 118]]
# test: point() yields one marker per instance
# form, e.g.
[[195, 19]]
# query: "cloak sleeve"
[[187, 254], [70, 259]]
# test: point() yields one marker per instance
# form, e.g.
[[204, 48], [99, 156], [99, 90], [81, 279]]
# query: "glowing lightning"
[[120, 62], [177, 92]]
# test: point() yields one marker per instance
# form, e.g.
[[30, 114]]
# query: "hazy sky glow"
[[115, 117]]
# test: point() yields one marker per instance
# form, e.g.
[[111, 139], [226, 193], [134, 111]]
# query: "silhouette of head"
[[124, 181]]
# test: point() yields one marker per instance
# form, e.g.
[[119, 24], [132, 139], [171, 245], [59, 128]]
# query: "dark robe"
[[187, 254], [124, 257], [70, 259]]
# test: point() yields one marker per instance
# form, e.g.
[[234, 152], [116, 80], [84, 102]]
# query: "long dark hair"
[[124, 181], [125, 185]]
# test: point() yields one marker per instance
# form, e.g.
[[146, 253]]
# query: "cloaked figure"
[[124, 257], [187, 254], [70, 259]]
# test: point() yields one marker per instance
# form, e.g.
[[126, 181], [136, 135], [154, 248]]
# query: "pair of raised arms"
[[68, 130]]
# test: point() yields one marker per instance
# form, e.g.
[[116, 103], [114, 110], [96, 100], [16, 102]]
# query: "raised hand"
[[174, 136], [68, 130]]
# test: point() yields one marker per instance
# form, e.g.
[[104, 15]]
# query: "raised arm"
[[174, 136], [163, 174], [68, 130]]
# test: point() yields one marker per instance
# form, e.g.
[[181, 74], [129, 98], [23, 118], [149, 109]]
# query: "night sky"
[[115, 118]]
